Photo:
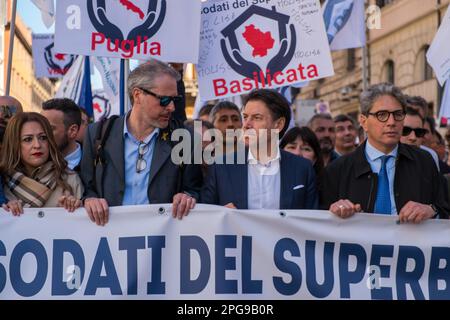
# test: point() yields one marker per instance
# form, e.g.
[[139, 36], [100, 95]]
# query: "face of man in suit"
[[258, 122], [148, 107], [384, 136]]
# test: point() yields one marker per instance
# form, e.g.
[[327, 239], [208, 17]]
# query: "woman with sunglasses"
[[34, 172]]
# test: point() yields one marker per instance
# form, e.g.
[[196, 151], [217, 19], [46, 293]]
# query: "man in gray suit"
[[134, 165]]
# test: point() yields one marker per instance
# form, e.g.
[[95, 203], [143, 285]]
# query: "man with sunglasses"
[[9, 106], [383, 175], [136, 166], [413, 132]]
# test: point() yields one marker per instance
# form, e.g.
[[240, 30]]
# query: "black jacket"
[[416, 179]]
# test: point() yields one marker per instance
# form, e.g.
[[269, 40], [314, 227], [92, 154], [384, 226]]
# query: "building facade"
[[396, 52], [25, 87]]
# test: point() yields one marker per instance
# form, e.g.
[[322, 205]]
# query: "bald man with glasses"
[[135, 165], [382, 175]]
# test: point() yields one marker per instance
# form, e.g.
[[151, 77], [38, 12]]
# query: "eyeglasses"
[[419, 132], [164, 101], [141, 164], [383, 115], [8, 111]]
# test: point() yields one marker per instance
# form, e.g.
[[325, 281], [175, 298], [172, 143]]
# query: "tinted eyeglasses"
[[8, 111], [164, 101], [141, 164], [419, 132], [383, 115]]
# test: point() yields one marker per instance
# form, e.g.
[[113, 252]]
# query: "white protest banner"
[[132, 29], [220, 253], [248, 44], [345, 23], [438, 55], [49, 63], [71, 84]]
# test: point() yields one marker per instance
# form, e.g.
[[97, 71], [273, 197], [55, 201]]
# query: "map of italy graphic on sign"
[[260, 41]]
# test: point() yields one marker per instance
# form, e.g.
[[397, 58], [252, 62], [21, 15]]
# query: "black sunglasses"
[[419, 132], [164, 101]]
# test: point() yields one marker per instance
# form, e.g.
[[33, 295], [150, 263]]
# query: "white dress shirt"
[[264, 183]]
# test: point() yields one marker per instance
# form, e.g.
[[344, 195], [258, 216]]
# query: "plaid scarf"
[[34, 191]]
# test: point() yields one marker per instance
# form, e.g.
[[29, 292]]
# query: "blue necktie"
[[383, 201]]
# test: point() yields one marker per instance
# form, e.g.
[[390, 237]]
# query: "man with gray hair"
[[133, 165], [383, 175]]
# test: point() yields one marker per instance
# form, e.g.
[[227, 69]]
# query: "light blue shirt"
[[373, 156], [136, 184], [74, 158]]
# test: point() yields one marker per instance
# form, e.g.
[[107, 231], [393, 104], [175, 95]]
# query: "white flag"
[[438, 55], [109, 69], [72, 82], [47, 11], [344, 23], [444, 112]]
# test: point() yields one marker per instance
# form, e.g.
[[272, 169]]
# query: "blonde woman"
[[34, 172]]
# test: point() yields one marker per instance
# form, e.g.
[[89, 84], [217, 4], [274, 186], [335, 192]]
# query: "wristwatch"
[[436, 213]]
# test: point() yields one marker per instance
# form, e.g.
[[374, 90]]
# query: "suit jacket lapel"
[[160, 154], [116, 148], [239, 181], [287, 183]]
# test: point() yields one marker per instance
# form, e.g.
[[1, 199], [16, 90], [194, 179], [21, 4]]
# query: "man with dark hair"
[[204, 112], [419, 104], [323, 126], [64, 116], [226, 116], [345, 134], [135, 164], [83, 125], [383, 175], [262, 176]]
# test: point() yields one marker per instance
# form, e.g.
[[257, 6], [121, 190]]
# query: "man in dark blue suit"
[[266, 177]]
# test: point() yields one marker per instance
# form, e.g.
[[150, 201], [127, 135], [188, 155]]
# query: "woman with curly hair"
[[35, 173]]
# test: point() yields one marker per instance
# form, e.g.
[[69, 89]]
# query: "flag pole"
[[365, 57], [12, 30], [122, 86]]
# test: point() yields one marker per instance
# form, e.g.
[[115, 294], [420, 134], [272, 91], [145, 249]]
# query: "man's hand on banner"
[[97, 210], [181, 205], [344, 208], [241, 66], [230, 205], [415, 212]]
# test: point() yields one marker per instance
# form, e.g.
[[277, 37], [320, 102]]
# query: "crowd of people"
[[398, 166]]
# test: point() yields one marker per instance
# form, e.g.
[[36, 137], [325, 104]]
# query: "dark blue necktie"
[[383, 201]]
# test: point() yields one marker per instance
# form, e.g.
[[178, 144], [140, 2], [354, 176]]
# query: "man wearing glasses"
[[383, 175], [136, 166]]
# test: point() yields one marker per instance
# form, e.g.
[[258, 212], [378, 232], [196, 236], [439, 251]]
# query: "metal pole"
[[365, 73], [12, 30], [126, 73]]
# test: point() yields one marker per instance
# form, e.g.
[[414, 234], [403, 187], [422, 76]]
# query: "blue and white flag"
[[47, 8], [76, 84], [345, 24]]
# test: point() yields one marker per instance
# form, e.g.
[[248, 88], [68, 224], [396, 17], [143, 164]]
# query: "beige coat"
[[72, 179]]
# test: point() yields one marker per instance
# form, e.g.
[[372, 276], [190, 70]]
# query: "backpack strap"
[[101, 135]]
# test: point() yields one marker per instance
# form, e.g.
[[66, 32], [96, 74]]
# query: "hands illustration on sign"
[[150, 27], [239, 64], [110, 30], [284, 56]]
